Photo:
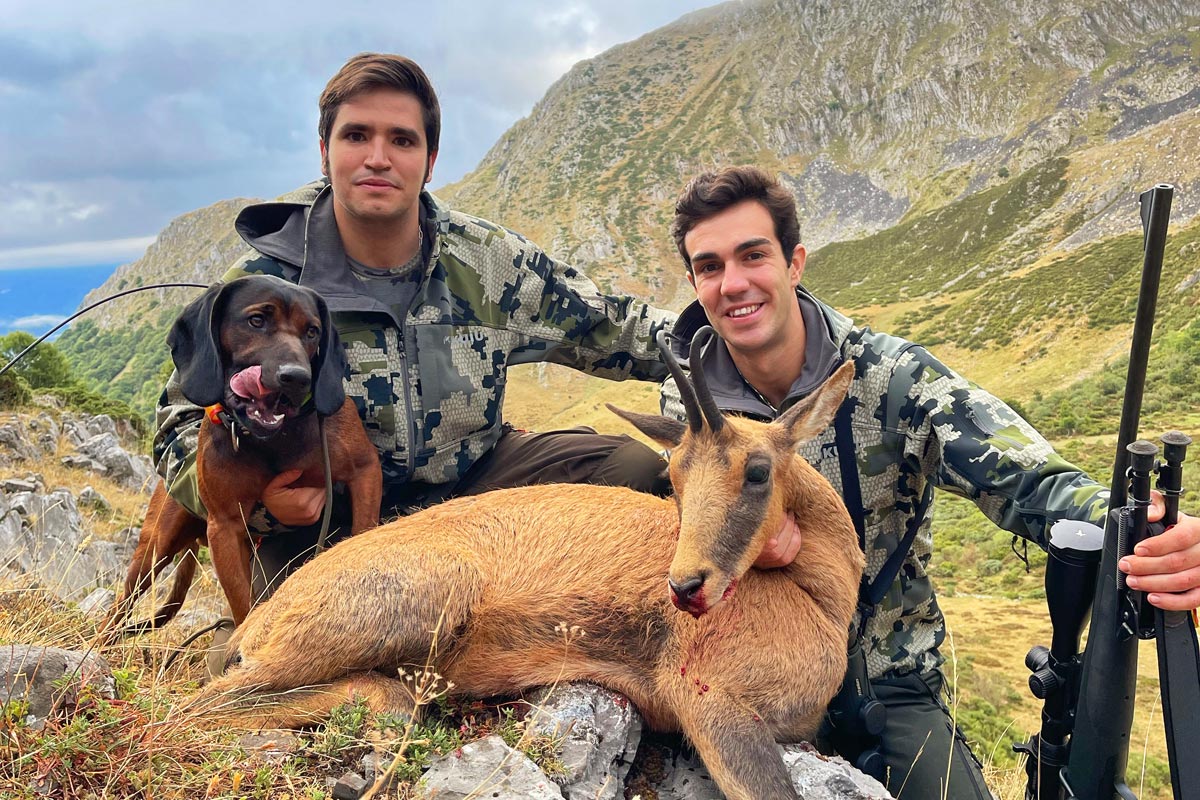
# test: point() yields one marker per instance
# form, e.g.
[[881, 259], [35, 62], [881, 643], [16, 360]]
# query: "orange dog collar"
[[213, 412]]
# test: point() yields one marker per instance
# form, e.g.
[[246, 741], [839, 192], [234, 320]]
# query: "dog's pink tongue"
[[248, 383]]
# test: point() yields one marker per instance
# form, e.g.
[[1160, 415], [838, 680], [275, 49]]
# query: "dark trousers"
[[927, 757], [520, 458]]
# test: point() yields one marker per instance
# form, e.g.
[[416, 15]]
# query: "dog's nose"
[[294, 381]]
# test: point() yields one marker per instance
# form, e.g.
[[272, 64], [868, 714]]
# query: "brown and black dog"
[[265, 351]]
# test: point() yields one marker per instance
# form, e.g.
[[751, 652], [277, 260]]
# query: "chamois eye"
[[757, 473], [256, 320]]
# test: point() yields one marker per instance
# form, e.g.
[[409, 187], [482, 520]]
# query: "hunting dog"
[[262, 356]]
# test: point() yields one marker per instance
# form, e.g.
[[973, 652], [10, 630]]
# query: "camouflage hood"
[[276, 228], [299, 228]]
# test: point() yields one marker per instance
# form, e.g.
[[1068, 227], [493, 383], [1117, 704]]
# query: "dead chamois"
[[480, 589]]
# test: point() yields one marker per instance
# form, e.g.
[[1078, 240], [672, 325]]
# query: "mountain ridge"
[[1024, 130]]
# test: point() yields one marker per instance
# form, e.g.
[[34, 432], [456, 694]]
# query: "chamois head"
[[734, 478]]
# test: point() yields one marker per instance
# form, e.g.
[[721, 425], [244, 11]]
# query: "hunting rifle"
[[1082, 748]]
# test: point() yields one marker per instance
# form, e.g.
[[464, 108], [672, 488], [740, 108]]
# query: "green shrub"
[[14, 391]]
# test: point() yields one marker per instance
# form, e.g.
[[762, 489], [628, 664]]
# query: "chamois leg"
[[739, 752], [227, 701]]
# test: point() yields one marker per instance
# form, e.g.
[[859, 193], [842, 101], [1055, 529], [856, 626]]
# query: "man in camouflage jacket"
[[914, 424], [432, 307]]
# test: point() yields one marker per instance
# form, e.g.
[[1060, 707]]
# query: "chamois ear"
[[813, 414], [664, 430]]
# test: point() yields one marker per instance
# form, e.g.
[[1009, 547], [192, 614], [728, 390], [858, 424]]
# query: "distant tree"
[[14, 391], [42, 368]]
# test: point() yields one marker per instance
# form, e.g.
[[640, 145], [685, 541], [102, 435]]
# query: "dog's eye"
[[256, 320], [313, 332]]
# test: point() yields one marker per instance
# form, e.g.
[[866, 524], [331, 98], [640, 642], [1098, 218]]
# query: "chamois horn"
[[686, 393], [716, 420]]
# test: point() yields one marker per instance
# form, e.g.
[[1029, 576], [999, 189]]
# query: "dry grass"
[[152, 742]]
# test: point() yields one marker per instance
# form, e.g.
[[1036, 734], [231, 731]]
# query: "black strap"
[[869, 594]]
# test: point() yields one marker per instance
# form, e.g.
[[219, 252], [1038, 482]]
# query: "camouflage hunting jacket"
[[916, 425], [429, 380]]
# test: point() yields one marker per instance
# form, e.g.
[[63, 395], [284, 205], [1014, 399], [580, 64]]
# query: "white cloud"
[[111, 251], [115, 118], [34, 322]]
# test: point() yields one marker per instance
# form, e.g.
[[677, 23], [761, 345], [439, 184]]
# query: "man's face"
[[744, 281], [377, 157]]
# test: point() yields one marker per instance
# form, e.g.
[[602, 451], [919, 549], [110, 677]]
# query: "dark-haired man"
[[432, 306], [909, 424]]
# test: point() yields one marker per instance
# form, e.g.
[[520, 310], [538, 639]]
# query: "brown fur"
[[232, 478], [496, 576]]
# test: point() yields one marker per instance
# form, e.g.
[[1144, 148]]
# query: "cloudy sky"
[[117, 117]]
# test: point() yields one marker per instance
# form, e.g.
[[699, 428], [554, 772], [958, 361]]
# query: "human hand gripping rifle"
[[1082, 748]]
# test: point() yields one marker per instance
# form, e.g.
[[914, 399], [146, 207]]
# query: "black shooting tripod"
[[1082, 749]]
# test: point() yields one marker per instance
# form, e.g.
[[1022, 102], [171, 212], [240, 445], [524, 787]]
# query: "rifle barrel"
[[1099, 747]]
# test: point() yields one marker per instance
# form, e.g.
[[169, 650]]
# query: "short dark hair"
[[368, 71], [710, 193]]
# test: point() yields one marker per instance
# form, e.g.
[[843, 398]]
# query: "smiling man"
[[432, 306], [909, 425]]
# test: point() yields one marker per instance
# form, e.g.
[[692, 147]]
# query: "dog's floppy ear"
[[329, 367], [196, 348]]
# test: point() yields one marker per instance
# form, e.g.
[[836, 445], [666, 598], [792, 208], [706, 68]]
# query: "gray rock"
[[44, 423], [270, 747], [76, 431], [100, 424], [91, 498], [12, 541], [816, 777], [44, 535], [133, 472], [83, 462], [819, 777], [488, 768], [599, 730], [98, 603], [375, 764], [350, 787], [15, 443], [44, 676], [16, 486]]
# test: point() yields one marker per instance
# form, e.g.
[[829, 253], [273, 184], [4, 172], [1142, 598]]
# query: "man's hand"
[[1168, 565], [781, 548], [293, 505]]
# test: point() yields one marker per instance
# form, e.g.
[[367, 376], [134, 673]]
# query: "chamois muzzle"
[[689, 595]]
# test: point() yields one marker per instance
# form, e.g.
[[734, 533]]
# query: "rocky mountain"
[[872, 112], [965, 141]]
